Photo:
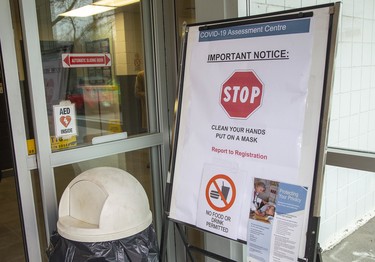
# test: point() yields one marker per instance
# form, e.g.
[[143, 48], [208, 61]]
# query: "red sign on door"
[[86, 60]]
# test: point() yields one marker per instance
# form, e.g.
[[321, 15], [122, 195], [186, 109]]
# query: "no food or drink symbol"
[[220, 192]]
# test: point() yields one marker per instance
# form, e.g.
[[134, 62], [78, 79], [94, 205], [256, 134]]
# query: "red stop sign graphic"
[[241, 94]]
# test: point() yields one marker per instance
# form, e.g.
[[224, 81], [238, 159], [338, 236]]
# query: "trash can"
[[104, 215]]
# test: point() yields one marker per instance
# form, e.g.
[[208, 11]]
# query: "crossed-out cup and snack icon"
[[224, 190]]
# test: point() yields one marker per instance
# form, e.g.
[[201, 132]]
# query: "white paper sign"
[[244, 96], [250, 109], [65, 120], [275, 226], [220, 191]]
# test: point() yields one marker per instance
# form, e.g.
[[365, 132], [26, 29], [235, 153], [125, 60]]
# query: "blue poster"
[[276, 220]]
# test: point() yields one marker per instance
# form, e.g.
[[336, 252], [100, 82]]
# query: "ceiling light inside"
[[115, 3], [87, 10]]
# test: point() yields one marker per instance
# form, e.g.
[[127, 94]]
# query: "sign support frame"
[[312, 248]]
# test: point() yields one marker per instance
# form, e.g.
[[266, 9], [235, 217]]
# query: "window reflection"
[[93, 62], [136, 163], [39, 212]]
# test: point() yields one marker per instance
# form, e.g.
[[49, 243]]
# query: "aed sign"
[[241, 94], [65, 120]]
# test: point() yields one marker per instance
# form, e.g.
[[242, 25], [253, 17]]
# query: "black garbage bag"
[[141, 247]]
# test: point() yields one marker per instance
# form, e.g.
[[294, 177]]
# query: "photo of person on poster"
[[263, 205], [265, 214], [258, 202]]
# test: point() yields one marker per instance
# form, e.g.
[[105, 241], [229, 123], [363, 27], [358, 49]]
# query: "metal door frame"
[[12, 83]]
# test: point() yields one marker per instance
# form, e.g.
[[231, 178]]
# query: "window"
[[94, 61]]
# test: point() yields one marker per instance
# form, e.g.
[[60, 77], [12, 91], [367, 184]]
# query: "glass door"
[[104, 66], [21, 217], [100, 69], [11, 233]]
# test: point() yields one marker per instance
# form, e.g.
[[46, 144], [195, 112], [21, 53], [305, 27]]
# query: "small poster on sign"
[[275, 221]]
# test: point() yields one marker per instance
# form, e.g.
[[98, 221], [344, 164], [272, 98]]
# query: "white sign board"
[[65, 120], [249, 114]]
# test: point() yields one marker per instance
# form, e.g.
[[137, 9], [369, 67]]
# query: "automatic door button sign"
[[220, 192]]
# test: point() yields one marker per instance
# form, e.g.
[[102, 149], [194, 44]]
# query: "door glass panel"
[[348, 203], [11, 239], [352, 124], [11, 235], [95, 61], [136, 163], [39, 213]]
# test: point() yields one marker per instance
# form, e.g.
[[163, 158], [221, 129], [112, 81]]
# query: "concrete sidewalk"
[[359, 246]]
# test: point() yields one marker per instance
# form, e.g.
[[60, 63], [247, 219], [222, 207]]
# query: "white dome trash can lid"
[[103, 204]]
